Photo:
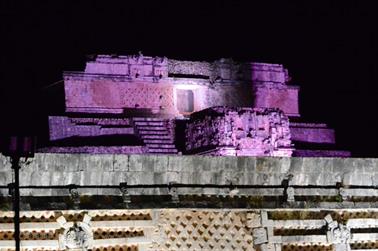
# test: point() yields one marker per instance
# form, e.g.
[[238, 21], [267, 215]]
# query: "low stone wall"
[[194, 229], [310, 134], [55, 169], [244, 172], [61, 127]]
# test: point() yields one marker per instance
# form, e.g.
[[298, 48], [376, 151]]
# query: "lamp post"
[[17, 147]]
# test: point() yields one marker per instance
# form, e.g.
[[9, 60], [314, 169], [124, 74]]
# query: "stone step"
[[153, 132], [152, 128], [153, 136], [158, 141], [156, 146], [149, 119], [149, 123], [162, 151]]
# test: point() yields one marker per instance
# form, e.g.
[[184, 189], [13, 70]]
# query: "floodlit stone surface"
[[192, 229], [238, 132], [111, 84], [132, 105], [311, 177]]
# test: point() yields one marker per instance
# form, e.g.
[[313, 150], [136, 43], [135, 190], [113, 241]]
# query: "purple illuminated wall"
[[139, 98], [239, 132]]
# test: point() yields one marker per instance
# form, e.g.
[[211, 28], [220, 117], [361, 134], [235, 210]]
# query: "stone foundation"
[[193, 229]]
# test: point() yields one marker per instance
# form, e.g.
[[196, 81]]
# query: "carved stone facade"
[[132, 104], [88, 201], [76, 235], [239, 131], [194, 229]]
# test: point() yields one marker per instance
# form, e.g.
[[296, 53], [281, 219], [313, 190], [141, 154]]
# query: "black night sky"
[[329, 47]]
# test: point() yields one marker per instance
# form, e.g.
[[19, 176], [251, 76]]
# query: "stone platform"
[[162, 202]]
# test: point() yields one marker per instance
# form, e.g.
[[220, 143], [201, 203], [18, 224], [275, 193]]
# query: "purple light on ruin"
[[142, 99]]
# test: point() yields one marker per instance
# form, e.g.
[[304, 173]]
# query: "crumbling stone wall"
[[111, 83], [280, 96], [251, 132], [194, 229], [312, 133], [61, 127], [83, 169], [107, 96], [134, 66]]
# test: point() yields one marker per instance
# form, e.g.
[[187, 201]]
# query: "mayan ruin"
[[161, 154], [223, 125]]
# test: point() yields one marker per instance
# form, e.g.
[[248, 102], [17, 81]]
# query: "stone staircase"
[[158, 134]]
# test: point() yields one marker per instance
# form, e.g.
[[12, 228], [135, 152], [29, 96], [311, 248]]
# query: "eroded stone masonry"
[[193, 229], [161, 154], [168, 202], [139, 104]]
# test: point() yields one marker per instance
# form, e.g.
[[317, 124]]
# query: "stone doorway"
[[185, 101]]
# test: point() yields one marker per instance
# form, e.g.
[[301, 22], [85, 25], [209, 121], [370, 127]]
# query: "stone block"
[[39, 178], [296, 165], [342, 165], [303, 179], [259, 236], [71, 178], [173, 177], [53, 162], [181, 164], [263, 179], [5, 164], [148, 163], [120, 162], [245, 164], [42, 192], [111, 178], [206, 177], [53, 178], [267, 247], [253, 220], [158, 162], [357, 179], [341, 247], [90, 178], [272, 165], [214, 164], [375, 179], [136, 164], [319, 165], [96, 163], [160, 178], [186, 177], [369, 166], [60, 192], [139, 178], [244, 129], [26, 192], [5, 177]]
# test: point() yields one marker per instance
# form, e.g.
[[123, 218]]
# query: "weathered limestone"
[[314, 182], [238, 132], [111, 84], [192, 229], [105, 100], [312, 133]]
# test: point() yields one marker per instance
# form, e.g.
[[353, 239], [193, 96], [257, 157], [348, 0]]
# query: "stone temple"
[[139, 104], [159, 154]]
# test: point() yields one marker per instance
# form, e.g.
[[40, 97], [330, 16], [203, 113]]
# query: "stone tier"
[[157, 134]]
